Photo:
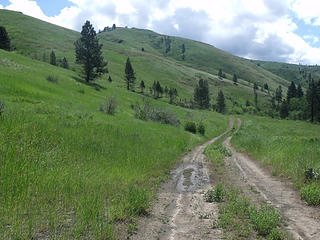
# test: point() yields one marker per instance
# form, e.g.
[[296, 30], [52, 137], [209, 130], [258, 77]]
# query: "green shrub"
[[311, 193], [201, 129], [109, 106], [52, 79], [148, 112], [277, 234], [265, 219], [216, 195], [190, 127]]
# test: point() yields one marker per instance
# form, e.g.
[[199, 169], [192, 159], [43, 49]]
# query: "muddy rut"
[[302, 222], [180, 211]]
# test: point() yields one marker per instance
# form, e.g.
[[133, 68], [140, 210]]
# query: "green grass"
[[70, 171], [242, 220], [289, 147]]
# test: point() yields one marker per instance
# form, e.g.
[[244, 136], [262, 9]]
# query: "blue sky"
[[275, 30], [50, 8]]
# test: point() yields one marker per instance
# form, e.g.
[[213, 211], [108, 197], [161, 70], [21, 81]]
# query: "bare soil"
[[180, 211]]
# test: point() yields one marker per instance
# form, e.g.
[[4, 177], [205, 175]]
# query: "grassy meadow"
[[288, 147], [70, 171]]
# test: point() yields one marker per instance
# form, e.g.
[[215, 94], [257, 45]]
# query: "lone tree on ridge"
[[89, 54]]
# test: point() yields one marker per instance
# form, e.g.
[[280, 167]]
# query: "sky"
[[273, 30]]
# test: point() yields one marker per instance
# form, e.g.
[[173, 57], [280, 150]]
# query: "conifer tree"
[[53, 60], [142, 86], [201, 94], [130, 77], [110, 79], [292, 92], [279, 94], [299, 91], [312, 99], [183, 50], [5, 42], [284, 109], [221, 105], [65, 63], [89, 54], [173, 93], [235, 79]]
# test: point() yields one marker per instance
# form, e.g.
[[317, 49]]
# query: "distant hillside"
[[155, 57], [292, 72]]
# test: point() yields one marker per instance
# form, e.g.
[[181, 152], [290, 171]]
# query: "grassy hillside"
[[70, 171], [201, 60]]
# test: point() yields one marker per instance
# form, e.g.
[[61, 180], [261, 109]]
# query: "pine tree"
[[279, 94], [89, 54], [183, 50], [142, 86], [110, 79], [235, 79], [130, 77], [255, 98], [65, 63], [221, 105], [284, 109], [299, 91], [292, 92], [5, 43], [53, 60], [201, 94], [173, 93], [312, 99], [166, 91]]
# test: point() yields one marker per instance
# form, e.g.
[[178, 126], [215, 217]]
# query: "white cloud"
[[27, 7], [307, 10], [262, 29]]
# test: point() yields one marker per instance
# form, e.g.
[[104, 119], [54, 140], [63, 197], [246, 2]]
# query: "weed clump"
[[277, 234], [216, 195], [190, 127], [311, 193], [52, 79], [2, 105], [109, 106], [265, 219], [138, 201]]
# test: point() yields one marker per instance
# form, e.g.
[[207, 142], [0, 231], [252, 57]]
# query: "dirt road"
[[302, 222], [180, 211]]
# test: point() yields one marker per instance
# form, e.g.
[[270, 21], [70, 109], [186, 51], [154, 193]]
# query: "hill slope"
[[163, 60]]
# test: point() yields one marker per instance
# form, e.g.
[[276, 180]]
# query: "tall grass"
[[68, 171], [289, 147]]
